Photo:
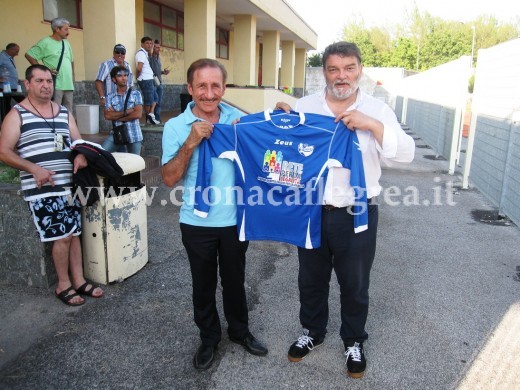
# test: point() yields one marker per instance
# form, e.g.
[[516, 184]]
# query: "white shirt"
[[397, 146], [146, 70]]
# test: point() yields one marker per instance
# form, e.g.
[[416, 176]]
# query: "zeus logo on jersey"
[[280, 142]]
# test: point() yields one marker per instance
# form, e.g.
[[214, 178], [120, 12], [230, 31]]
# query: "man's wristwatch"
[[102, 97]]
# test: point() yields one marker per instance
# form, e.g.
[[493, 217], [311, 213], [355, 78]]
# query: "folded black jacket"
[[100, 162]]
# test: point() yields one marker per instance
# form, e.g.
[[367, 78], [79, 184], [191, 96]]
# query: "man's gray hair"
[[342, 49], [59, 22]]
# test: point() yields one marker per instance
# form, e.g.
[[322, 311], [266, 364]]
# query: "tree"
[[315, 60], [445, 42], [424, 41], [357, 33], [403, 53]]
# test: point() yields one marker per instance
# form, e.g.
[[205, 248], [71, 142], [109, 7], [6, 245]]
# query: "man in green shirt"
[[48, 50]]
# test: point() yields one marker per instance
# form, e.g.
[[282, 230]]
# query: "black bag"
[[120, 133], [55, 76]]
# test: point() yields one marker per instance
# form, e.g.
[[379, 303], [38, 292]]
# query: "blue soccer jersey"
[[281, 161]]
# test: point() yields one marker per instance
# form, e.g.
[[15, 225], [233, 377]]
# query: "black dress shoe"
[[204, 356], [250, 344]]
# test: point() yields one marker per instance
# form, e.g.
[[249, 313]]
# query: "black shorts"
[[56, 217]]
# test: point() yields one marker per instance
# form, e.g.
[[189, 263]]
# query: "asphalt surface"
[[444, 288]]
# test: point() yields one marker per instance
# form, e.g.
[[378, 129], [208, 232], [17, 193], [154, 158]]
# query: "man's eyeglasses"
[[123, 52]]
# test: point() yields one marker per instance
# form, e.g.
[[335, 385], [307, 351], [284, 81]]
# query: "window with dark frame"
[[68, 9], [165, 24], [222, 45]]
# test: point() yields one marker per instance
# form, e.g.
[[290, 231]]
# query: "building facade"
[[262, 43]]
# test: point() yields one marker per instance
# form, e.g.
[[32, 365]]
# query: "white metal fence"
[[433, 104]]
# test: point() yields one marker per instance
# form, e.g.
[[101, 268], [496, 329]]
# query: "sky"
[[327, 17]]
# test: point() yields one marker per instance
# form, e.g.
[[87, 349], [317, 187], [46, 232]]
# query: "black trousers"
[[351, 256], [211, 250]]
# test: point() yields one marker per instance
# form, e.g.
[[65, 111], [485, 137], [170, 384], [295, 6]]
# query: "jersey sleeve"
[[357, 181], [346, 149], [222, 140]]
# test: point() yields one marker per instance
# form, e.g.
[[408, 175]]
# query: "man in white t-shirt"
[[144, 74]]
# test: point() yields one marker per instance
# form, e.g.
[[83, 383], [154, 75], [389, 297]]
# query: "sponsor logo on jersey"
[[305, 150], [280, 171]]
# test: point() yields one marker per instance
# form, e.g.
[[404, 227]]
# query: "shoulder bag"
[[120, 132], [156, 80], [55, 76]]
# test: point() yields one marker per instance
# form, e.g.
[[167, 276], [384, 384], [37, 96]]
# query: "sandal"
[[66, 296], [83, 290]]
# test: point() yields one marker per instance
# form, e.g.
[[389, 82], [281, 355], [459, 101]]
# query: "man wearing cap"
[[104, 84]]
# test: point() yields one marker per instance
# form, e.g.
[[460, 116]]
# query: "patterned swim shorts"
[[56, 218]]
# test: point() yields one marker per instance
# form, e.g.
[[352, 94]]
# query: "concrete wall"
[[433, 123], [152, 142], [398, 108], [314, 80], [497, 80], [24, 260], [490, 155], [432, 103], [494, 142], [446, 84]]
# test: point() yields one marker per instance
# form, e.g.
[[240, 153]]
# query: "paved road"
[[444, 288]]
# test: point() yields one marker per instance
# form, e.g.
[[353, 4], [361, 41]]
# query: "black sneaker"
[[356, 362], [305, 343]]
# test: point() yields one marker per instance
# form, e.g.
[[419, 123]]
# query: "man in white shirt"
[[144, 73], [350, 254]]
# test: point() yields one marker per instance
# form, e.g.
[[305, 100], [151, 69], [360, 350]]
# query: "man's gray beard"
[[342, 95]]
